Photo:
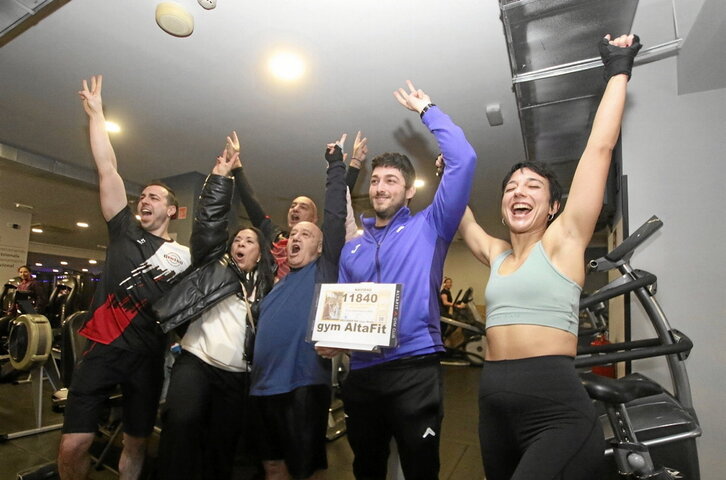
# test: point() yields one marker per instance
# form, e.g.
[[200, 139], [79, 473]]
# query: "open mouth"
[[521, 209], [295, 248], [294, 217]]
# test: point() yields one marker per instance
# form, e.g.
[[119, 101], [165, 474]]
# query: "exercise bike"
[[651, 432], [468, 348]]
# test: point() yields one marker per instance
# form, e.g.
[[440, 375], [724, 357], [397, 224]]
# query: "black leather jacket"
[[214, 276]]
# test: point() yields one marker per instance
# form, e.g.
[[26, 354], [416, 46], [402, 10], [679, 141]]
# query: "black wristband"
[[618, 60], [426, 109], [335, 156]]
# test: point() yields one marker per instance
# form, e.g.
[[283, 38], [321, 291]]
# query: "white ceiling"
[[177, 98]]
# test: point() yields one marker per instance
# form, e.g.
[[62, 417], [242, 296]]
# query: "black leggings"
[[202, 420], [537, 422]]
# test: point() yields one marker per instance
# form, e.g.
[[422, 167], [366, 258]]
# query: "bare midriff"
[[511, 342]]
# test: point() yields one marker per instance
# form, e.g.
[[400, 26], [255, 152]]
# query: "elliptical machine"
[[652, 433]]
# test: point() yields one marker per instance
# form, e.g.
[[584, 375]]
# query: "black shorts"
[[292, 426], [102, 369]]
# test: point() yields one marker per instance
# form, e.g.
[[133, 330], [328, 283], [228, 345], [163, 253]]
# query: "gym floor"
[[460, 458]]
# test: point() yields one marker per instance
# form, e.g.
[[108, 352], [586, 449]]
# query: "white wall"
[[14, 236], [674, 156]]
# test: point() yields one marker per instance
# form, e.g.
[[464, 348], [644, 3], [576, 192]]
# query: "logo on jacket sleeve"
[[355, 249]]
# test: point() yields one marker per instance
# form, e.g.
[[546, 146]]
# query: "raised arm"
[[453, 191], [210, 228], [247, 197], [334, 211], [111, 185], [482, 245], [360, 151], [584, 202]]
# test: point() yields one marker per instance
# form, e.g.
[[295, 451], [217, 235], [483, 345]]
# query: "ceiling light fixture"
[[82, 224], [38, 264], [24, 206], [36, 230], [286, 66], [174, 19], [419, 183], [63, 262], [92, 261]]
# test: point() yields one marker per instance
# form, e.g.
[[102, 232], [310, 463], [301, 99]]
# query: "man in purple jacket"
[[398, 391]]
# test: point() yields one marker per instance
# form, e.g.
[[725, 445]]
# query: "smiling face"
[[154, 209], [526, 201], [448, 283], [388, 193], [304, 245], [245, 250], [24, 273], [302, 209]]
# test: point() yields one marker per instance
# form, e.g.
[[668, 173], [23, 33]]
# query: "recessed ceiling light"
[[286, 66], [84, 269], [92, 261], [38, 264], [82, 224], [112, 127], [55, 270], [63, 262], [419, 183], [36, 230]]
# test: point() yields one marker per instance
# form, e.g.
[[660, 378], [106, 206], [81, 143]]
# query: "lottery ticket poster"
[[355, 316]]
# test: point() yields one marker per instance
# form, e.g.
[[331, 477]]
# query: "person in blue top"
[[290, 384], [536, 420], [397, 392]]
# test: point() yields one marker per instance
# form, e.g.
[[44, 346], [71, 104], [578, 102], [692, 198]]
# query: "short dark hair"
[[543, 170], [398, 161], [26, 267], [170, 196]]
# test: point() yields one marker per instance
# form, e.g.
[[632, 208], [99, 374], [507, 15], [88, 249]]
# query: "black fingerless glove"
[[618, 60], [337, 155]]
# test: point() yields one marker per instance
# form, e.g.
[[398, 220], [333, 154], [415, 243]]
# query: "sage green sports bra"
[[535, 294]]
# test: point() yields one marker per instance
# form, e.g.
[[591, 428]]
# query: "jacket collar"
[[399, 218]]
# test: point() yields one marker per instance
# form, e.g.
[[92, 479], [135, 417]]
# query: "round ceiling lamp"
[[174, 19]]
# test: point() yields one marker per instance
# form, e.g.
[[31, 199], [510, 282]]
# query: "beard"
[[386, 213]]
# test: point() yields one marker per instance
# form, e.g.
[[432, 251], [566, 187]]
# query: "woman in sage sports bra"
[[535, 418]]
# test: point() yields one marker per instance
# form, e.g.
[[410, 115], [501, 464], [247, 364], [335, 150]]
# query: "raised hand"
[[332, 153], [231, 149], [224, 165], [440, 163], [91, 97], [415, 99], [619, 54], [360, 150]]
